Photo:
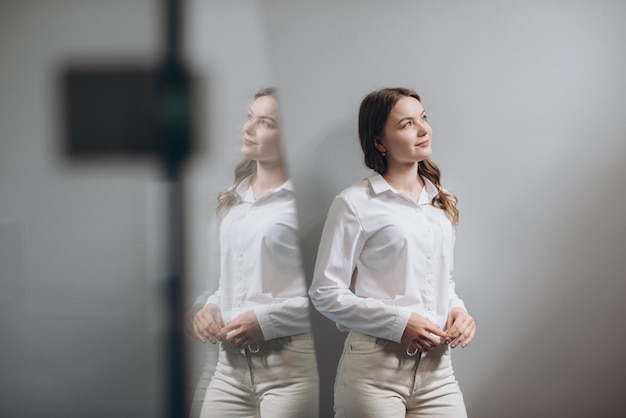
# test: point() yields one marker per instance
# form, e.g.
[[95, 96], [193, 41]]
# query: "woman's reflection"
[[260, 312]]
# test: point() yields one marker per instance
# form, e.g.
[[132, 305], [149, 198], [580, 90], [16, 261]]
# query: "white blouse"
[[260, 264], [383, 256]]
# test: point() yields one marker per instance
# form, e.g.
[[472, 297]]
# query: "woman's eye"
[[425, 118], [265, 124], [408, 124]]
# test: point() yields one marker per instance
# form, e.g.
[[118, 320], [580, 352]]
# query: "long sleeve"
[[284, 318], [211, 265], [341, 244], [214, 299]]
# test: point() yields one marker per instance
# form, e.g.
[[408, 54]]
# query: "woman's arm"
[[287, 317], [267, 322], [341, 244]]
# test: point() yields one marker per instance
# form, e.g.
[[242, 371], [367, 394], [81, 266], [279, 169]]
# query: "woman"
[[384, 272], [266, 364]]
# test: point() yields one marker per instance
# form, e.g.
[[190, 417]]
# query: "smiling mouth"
[[424, 143], [248, 142]]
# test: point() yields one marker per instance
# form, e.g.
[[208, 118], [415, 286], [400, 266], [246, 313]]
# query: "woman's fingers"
[[435, 330], [201, 332], [467, 335], [237, 337], [462, 332], [243, 330], [198, 327], [469, 338], [206, 323]]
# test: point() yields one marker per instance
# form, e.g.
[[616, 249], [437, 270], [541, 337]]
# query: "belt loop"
[[254, 347], [411, 351]]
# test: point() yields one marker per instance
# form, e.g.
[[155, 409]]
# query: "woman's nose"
[[423, 128], [248, 127]]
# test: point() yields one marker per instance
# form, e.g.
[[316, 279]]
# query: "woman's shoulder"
[[356, 191]]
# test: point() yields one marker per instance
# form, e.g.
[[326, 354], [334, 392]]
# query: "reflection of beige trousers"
[[377, 378], [278, 381]]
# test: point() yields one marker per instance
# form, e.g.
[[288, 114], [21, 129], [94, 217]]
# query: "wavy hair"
[[373, 114], [246, 168]]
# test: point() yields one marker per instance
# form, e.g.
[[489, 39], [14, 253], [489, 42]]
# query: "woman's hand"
[[188, 320], [243, 330], [460, 328], [422, 333], [207, 323]]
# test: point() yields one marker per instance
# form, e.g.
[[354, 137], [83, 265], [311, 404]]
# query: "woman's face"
[[407, 134], [260, 131]]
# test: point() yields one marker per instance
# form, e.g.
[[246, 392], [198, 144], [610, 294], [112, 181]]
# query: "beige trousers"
[[378, 378], [277, 379]]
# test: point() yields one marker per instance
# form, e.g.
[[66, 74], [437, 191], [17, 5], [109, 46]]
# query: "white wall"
[[74, 285], [82, 245], [526, 103]]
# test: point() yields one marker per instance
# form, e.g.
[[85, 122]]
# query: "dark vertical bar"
[[175, 145], [177, 381], [173, 33]]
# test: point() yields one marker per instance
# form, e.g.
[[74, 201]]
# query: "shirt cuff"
[[214, 299], [457, 303], [264, 317], [399, 324]]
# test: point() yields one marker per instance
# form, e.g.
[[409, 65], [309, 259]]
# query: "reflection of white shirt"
[[260, 265], [382, 256]]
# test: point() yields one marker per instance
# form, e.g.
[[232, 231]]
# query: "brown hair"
[[373, 114], [246, 168]]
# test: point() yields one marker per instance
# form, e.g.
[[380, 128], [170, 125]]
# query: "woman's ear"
[[379, 145]]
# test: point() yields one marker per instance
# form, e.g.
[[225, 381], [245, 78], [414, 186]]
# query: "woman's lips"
[[424, 143]]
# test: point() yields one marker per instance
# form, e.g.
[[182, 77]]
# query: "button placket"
[[239, 290], [430, 250]]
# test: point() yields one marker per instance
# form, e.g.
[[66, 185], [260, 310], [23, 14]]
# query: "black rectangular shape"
[[110, 112]]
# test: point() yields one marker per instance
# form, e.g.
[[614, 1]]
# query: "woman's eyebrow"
[[411, 117], [268, 118], [405, 118]]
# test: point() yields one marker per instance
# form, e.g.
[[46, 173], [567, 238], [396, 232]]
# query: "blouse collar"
[[379, 185], [244, 190]]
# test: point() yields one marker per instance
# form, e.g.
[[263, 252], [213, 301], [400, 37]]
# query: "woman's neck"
[[269, 175], [405, 178]]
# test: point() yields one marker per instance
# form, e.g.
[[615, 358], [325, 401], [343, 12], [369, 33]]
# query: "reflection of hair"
[[246, 168], [375, 109]]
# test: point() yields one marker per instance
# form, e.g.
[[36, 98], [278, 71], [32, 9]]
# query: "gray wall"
[[525, 99], [526, 104], [75, 286], [82, 245]]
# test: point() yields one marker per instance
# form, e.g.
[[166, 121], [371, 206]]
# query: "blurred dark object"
[[110, 112], [126, 111], [134, 111]]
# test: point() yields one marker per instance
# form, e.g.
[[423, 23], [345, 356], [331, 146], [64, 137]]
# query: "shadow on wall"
[[334, 163], [559, 291]]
